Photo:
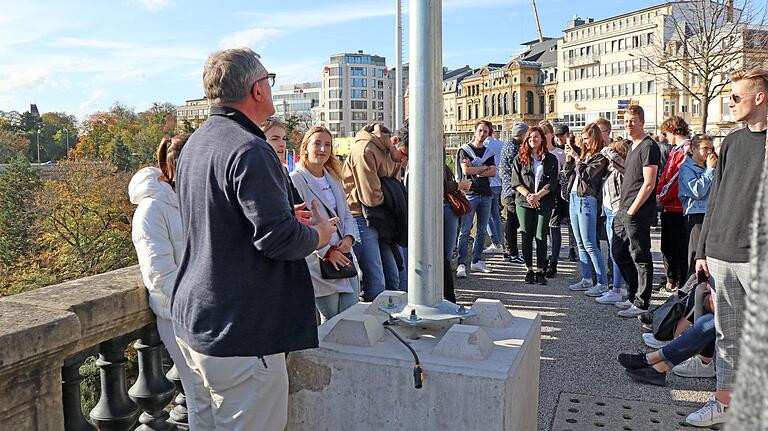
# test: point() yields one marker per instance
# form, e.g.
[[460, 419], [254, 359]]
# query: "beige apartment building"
[[192, 113], [607, 65], [355, 92]]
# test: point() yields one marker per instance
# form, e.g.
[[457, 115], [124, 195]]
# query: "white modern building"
[[297, 99]]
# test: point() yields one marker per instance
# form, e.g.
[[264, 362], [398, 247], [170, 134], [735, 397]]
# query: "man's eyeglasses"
[[737, 98], [270, 77]]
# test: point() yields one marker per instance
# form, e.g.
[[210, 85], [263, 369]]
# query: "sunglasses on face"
[[737, 98]]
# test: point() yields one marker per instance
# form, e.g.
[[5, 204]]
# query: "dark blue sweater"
[[243, 287]]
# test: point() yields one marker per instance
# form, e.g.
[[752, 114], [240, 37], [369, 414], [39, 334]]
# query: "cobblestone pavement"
[[580, 338]]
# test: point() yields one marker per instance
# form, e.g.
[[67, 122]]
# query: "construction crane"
[[536, 15]]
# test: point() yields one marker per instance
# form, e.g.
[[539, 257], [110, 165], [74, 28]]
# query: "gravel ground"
[[580, 338]]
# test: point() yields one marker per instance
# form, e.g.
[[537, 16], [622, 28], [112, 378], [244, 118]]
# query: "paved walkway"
[[580, 338]]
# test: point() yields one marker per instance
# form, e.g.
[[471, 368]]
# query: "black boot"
[[551, 269], [540, 279], [530, 277]]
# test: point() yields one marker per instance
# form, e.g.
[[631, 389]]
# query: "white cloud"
[[153, 5], [93, 101], [74, 42], [254, 38]]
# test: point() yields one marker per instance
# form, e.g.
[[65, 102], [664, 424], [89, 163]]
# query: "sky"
[[82, 56]]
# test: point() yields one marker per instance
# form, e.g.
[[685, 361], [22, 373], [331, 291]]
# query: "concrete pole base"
[[479, 376]]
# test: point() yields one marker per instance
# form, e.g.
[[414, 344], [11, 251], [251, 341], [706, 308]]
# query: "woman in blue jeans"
[[616, 154], [450, 230], [585, 170]]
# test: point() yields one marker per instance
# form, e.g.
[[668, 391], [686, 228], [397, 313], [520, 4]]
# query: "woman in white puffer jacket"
[[157, 236]]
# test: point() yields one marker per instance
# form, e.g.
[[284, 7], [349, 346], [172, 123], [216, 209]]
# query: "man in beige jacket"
[[374, 154]]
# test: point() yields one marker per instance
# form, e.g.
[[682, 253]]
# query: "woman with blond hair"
[[585, 174], [158, 238], [318, 178], [275, 131]]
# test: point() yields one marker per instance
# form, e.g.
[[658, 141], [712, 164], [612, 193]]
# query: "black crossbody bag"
[[327, 270]]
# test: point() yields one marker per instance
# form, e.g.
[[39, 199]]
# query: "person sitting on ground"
[[689, 355], [585, 173], [616, 153], [318, 178], [534, 176]]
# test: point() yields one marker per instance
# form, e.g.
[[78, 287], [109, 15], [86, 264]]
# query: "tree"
[[296, 125], [84, 222], [708, 39], [12, 145], [19, 185]]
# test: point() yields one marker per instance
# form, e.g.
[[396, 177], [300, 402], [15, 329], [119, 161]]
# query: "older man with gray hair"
[[243, 295]]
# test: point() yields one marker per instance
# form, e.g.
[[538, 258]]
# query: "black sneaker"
[[633, 361], [551, 269], [572, 256], [648, 375], [530, 277], [646, 318], [540, 279]]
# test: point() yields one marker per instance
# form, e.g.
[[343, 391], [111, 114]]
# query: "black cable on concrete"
[[418, 373]]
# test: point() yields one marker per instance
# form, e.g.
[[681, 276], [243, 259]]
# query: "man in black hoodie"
[[724, 244]]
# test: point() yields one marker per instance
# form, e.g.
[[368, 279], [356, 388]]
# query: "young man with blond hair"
[[724, 244]]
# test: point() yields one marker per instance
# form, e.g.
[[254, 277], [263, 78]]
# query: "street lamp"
[[38, 147]]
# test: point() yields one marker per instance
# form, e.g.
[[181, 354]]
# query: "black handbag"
[[328, 272]]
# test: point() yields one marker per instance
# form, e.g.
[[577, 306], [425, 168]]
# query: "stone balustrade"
[[46, 334]]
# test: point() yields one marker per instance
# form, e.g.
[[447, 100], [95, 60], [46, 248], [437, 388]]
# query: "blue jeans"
[[403, 276], [699, 338], [482, 206], [618, 282], [494, 221], [377, 262], [450, 231], [583, 213], [335, 303]]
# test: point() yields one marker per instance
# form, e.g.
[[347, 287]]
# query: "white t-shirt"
[[325, 186], [538, 172]]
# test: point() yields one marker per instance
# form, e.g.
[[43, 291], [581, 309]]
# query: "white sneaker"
[[461, 271], [631, 312], [479, 266], [624, 304], [584, 284], [694, 367], [596, 290], [713, 412], [609, 297], [652, 342], [494, 249]]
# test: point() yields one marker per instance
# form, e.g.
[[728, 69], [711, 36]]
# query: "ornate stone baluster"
[[179, 413], [70, 394], [152, 391], [114, 411]]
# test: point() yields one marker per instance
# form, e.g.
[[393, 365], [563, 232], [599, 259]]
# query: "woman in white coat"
[[157, 236], [318, 178]]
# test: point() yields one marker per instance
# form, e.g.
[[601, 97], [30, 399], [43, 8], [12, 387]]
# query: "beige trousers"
[[246, 393]]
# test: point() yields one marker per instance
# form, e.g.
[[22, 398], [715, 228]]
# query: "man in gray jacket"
[[243, 295]]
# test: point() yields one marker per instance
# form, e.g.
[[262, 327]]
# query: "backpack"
[[679, 305]]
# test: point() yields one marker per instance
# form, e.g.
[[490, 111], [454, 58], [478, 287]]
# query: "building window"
[[379, 73], [515, 103], [335, 104], [335, 116], [359, 94], [359, 71], [551, 103], [359, 104], [499, 108], [477, 111], [359, 82], [334, 94], [485, 106], [381, 95], [506, 103], [381, 105], [334, 71], [458, 112], [380, 116], [360, 116], [335, 82], [529, 102], [493, 105]]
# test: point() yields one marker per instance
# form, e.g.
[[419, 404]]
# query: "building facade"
[[192, 113], [355, 92], [297, 99]]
